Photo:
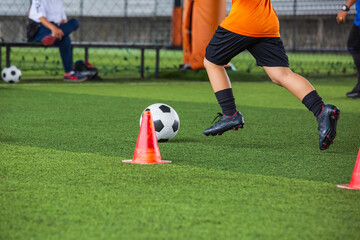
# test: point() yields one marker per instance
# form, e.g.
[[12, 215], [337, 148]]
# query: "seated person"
[[55, 30]]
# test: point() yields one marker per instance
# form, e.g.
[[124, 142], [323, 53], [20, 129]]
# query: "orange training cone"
[[147, 147], [355, 179]]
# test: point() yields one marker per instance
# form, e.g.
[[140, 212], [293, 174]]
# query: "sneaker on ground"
[[327, 121], [48, 40], [74, 77], [225, 123]]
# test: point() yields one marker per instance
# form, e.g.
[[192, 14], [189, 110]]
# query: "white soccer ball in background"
[[11, 74], [166, 121]]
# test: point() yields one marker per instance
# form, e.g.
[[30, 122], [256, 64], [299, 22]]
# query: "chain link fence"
[[305, 26]]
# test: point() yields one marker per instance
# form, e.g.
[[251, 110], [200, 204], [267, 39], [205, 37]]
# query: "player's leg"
[[220, 82], [221, 85], [219, 53], [293, 82], [353, 45], [217, 75], [270, 54], [327, 115]]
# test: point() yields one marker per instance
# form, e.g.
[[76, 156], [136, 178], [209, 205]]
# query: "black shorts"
[[353, 43], [224, 45]]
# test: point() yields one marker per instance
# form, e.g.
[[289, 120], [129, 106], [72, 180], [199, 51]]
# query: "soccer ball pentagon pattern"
[[11, 74], [166, 121]]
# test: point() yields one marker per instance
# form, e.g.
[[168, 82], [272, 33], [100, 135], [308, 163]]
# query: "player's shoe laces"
[[48, 40], [74, 77], [327, 121], [225, 123]]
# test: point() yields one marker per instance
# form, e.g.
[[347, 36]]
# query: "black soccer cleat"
[[225, 123], [327, 121]]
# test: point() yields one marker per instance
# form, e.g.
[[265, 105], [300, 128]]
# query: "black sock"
[[227, 101], [313, 102]]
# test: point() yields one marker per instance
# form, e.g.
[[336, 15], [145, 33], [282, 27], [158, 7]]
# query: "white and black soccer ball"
[[11, 74], [166, 121]]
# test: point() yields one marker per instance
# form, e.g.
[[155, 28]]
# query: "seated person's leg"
[[65, 53], [69, 26], [67, 60], [44, 36]]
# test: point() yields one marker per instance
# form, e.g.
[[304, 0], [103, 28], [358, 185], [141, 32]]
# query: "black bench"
[[87, 45]]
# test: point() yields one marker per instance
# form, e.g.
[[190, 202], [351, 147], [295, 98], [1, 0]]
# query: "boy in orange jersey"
[[254, 26]]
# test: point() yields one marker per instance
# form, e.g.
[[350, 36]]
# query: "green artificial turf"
[[62, 176]]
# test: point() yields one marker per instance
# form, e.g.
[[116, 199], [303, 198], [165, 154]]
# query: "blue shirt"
[[357, 17]]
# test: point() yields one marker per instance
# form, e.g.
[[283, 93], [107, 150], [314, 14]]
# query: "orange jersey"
[[252, 18]]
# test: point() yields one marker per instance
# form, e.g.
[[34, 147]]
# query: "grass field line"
[[54, 157]]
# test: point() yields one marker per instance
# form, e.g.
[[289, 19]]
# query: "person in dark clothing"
[[353, 43]]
